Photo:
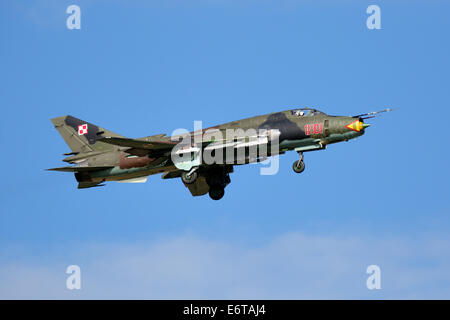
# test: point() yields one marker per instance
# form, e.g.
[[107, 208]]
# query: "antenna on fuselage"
[[371, 114]]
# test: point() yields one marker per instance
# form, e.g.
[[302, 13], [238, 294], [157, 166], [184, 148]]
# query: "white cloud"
[[292, 266]]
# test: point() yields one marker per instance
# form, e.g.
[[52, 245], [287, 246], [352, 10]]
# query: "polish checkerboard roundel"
[[82, 129]]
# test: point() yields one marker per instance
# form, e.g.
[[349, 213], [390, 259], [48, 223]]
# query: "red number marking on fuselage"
[[316, 128]]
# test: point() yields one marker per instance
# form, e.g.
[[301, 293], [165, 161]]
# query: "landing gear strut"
[[299, 166]]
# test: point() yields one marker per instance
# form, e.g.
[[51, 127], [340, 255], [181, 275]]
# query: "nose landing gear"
[[299, 166]]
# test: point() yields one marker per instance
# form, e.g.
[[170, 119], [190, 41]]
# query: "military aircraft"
[[100, 155]]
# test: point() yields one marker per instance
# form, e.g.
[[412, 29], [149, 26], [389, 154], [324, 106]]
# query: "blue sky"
[[147, 67]]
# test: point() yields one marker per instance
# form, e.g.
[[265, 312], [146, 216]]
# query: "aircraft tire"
[[216, 192], [298, 168], [189, 179]]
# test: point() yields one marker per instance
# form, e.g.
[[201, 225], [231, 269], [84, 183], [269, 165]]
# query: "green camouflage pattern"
[[99, 155]]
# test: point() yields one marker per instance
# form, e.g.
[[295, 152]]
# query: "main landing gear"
[[189, 177], [217, 181], [217, 178], [216, 192], [299, 166]]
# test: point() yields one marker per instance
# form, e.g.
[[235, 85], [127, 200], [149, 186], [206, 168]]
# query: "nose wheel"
[[299, 166]]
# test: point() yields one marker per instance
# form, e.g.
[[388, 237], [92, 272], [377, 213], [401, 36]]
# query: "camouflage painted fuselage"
[[132, 160], [301, 131]]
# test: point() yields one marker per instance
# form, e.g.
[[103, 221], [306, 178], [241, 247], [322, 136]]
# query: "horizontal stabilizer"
[[79, 169]]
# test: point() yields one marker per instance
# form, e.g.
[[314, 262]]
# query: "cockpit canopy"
[[305, 112]]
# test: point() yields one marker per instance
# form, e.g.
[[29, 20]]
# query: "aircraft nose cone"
[[365, 125], [357, 126]]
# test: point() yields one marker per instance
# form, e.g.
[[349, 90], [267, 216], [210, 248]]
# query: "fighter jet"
[[99, 155]]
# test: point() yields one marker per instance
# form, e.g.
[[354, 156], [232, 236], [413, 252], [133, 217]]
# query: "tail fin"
[[82, 136]]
